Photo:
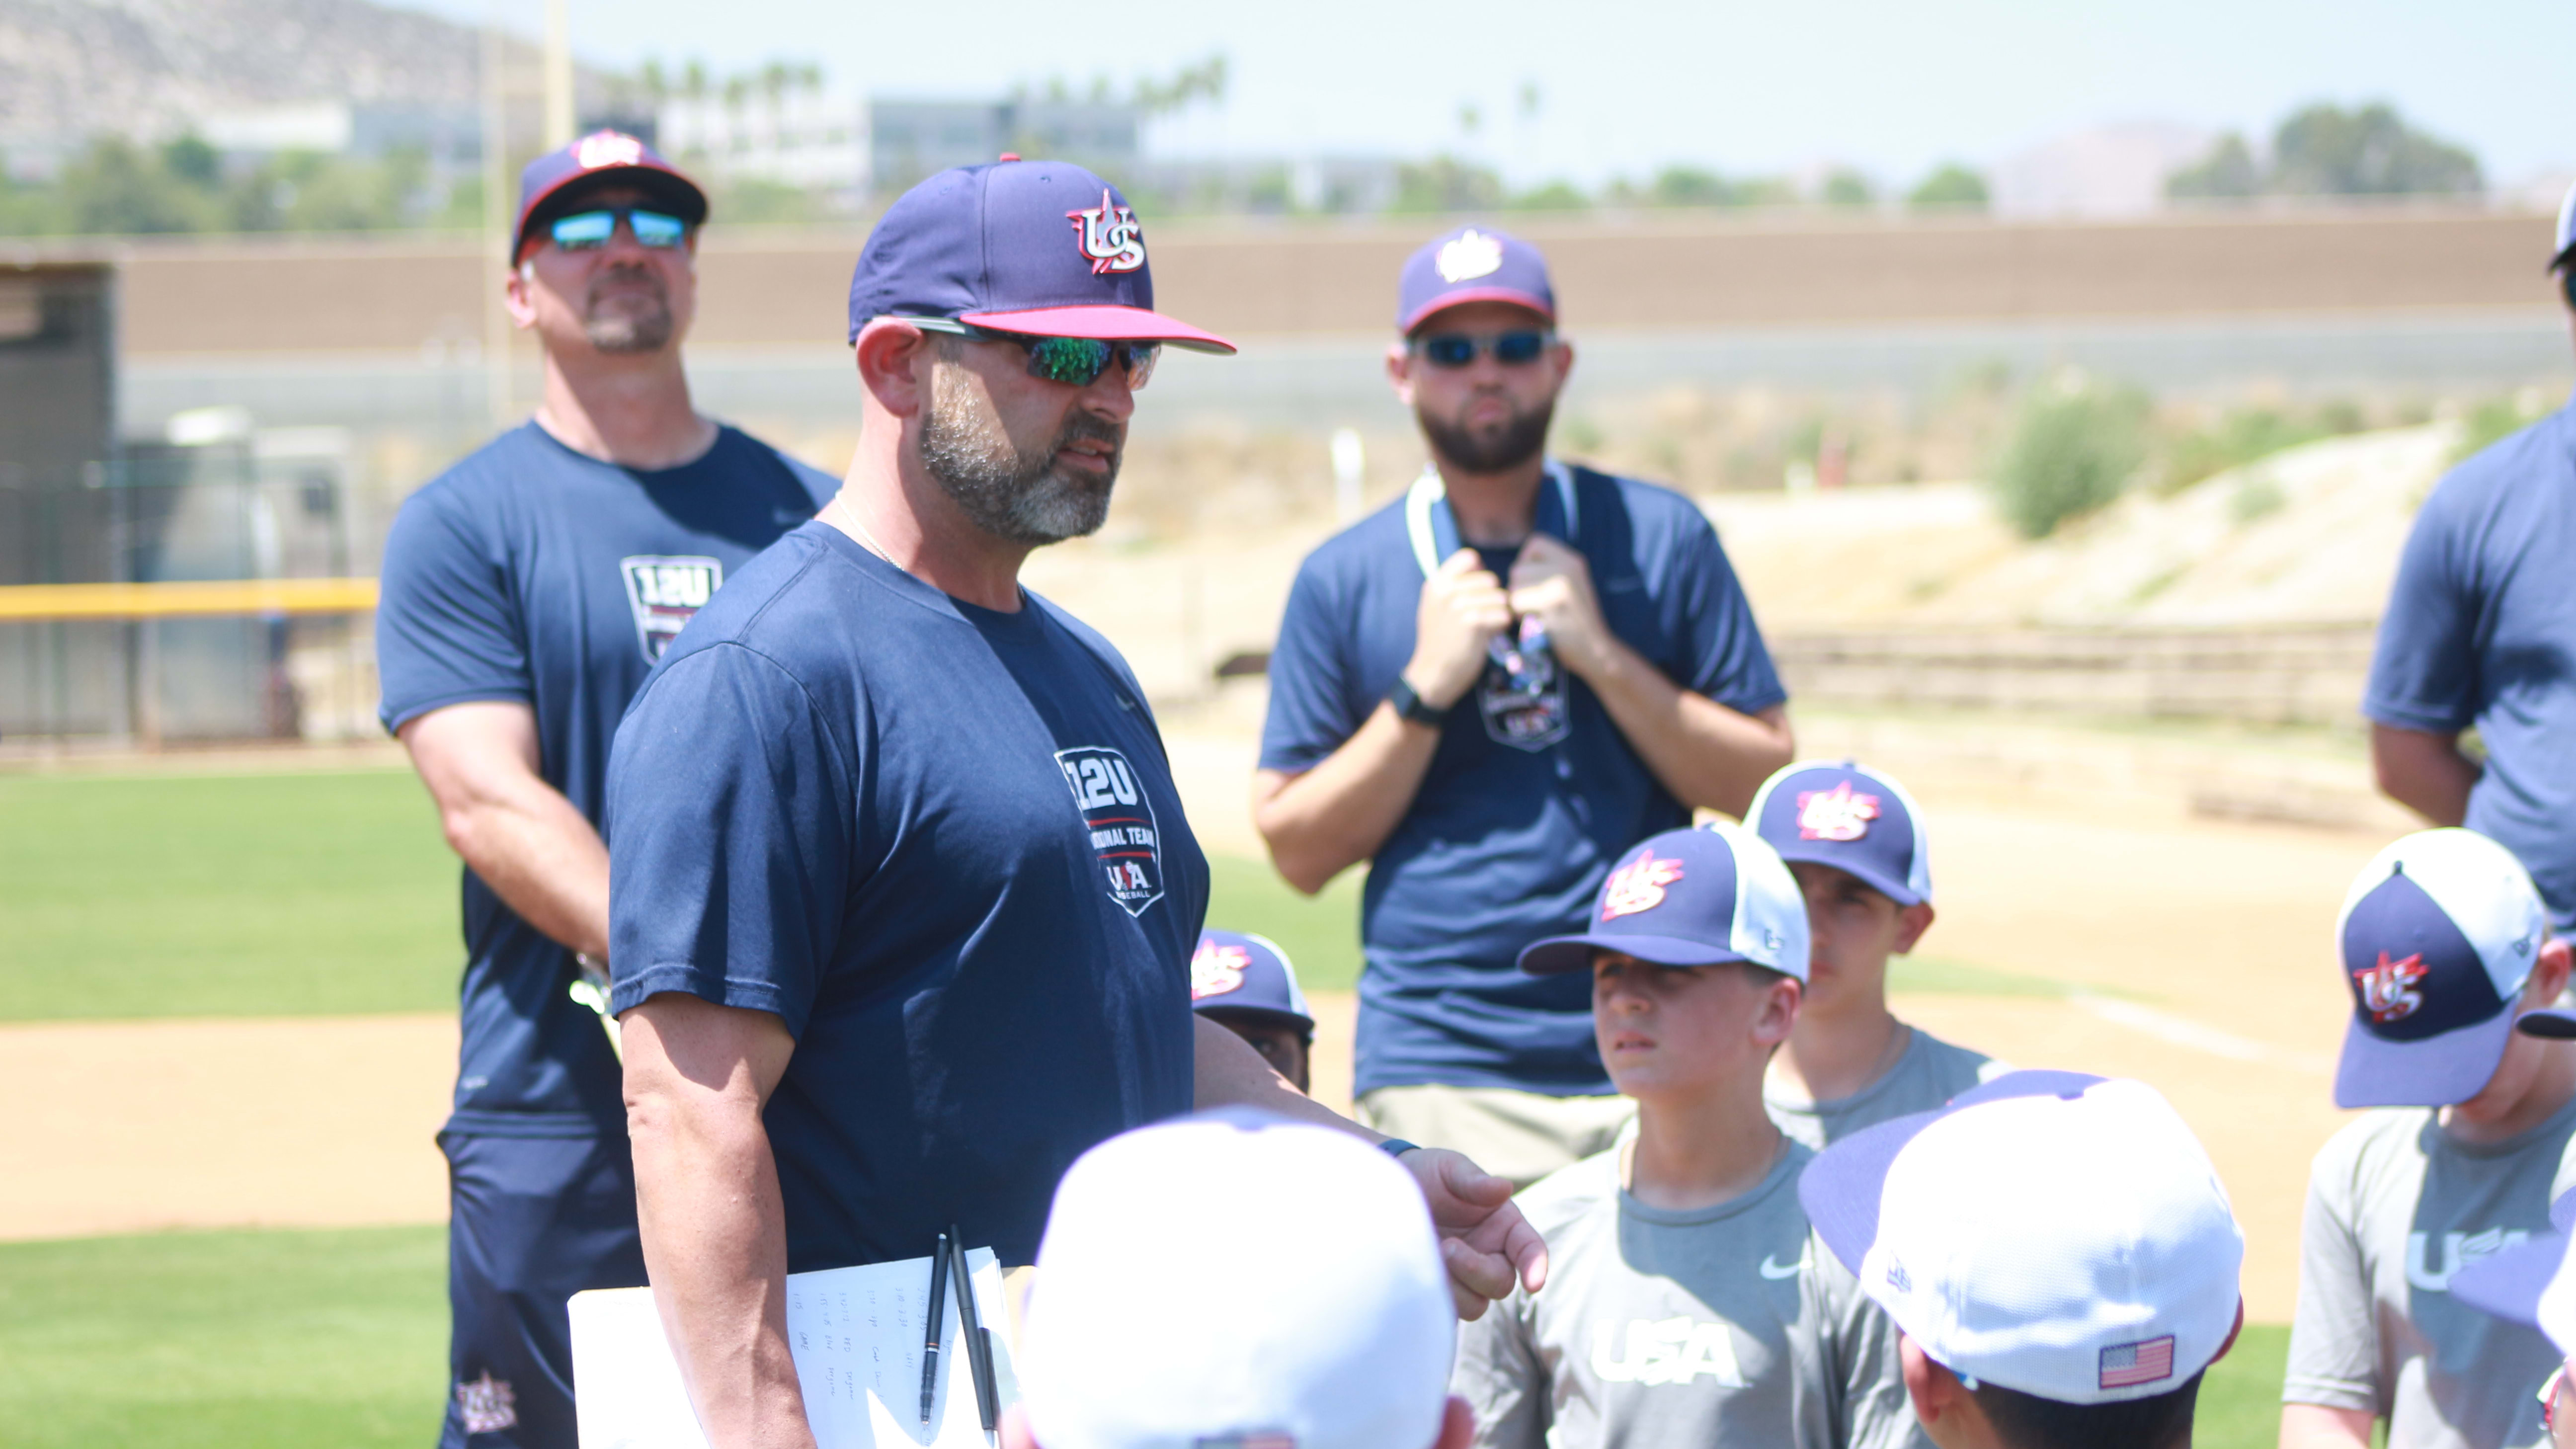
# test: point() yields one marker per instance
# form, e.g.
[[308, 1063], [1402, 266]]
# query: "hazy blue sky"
[[1890, 85]]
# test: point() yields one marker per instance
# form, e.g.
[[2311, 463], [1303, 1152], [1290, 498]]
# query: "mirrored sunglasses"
[[585, 231], [1459, 349], [1073, 361]]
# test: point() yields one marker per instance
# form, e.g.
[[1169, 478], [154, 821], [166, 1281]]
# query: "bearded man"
[[527, 591], [1489, 691], [903, 900]]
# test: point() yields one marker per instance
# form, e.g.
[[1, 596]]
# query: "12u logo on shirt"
[[1124, 836], [664, 591]]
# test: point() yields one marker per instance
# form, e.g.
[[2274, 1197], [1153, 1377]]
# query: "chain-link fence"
[[152, 666]]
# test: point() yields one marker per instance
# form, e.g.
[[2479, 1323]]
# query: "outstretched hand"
[[1484, 1241]]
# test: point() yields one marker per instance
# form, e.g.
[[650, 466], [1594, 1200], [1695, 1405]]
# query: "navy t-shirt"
[[530, 572], [1530, 797], [942, 844], [2481, 630]]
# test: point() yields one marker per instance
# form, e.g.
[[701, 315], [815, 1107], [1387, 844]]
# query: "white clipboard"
[[857, 1336]]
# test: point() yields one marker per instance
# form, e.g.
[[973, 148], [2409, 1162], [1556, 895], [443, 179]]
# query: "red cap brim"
[[1109, 324], [1465, 295]]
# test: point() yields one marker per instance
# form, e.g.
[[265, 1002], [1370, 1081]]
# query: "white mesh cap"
[[1236, 1280], [2058, 1234]]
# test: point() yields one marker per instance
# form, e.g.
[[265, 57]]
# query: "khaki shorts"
[[1522, 1136]]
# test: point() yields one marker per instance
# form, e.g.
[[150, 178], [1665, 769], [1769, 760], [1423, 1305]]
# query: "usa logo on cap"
[[1857, 820], [1109, 235]]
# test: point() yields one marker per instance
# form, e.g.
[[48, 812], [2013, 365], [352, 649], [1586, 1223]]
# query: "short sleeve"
[[730, 827], [2334, 1336], [1723, 656], [2424, 671], [447, 621], [1869, 1377], [1311, 668], [1499, 1375]]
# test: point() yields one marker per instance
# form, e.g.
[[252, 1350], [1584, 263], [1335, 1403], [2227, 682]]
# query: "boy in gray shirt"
[[1685, 1307], [2445, 943], [1855, 841]]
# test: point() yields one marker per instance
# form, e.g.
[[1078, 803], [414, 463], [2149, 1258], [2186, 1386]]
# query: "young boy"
[[2057, 1252], [1683, 1303], [1854, 839], [1245, 984], [2445, 943]]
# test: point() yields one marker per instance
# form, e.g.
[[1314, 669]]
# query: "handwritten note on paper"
[[856, 1334]]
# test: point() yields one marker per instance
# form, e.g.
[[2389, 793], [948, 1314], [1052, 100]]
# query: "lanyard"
[[1433, 527]]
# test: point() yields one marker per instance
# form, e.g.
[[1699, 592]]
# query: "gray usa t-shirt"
[[1929, 1073], [2396, 1206], [1682, 1330]]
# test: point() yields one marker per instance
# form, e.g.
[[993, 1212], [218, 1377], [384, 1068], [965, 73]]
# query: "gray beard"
[[624, 333], [1021, 497], [1496, 449]]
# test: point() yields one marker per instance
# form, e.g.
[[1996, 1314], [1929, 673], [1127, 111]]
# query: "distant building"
[[797, 135], [908, 140], [2102, 173]]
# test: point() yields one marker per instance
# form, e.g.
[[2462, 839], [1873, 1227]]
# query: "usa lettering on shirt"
[[1666, 1351]]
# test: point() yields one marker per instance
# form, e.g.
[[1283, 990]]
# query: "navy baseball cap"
[[1691, 898], [604, 155], [1472, 264], [2438, 935], [1853, 819], [1237, 972], [1042, 248]]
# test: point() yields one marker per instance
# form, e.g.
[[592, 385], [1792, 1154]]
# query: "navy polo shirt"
[[1530, 798], [532, 573], [2481, 630], [942, 845]]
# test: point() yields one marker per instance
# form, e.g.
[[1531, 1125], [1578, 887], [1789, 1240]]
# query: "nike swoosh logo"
[[1771, 1269]]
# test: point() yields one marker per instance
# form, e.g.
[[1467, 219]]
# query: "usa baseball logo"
[[1109, 235], [665, 592], [2388, 987], [1638, 886], [1837, 814], [607, 148], [1120, 819], [1216, 969]]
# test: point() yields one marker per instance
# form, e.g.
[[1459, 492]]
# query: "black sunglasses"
[[1460, 349], [1073, 361]]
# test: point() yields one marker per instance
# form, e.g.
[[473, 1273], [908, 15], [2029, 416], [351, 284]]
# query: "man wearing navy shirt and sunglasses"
[[904, 902], [527, 591], [1489, 691]]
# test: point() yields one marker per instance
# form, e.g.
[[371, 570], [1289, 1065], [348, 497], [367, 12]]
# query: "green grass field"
[[316, 894], [294, 894], [311, 1340]]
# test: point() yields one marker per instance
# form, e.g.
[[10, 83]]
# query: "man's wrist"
[[1412, 707]]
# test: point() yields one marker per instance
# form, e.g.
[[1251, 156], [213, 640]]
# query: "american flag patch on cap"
[[2137, 1363]]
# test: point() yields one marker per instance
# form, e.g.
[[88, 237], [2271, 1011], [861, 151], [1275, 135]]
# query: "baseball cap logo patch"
[[1109, 235], [1638, 885], [1217, 969], [2127, 1364], [1836, 814], [607, 148], [1470, 255], [2388, 987]]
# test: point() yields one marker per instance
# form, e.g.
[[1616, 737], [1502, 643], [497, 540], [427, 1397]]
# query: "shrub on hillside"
[[2072, 452]]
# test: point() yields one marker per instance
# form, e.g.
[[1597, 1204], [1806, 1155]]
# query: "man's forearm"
[[548, 863], [2314, 1426], [1332, 817], [715, 1235], [1230, 1073], [1706, 754], [2424, 772]]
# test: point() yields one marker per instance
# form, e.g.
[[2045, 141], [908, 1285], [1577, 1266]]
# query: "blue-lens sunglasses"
[[585, 231], [1073, 361], [1460, 349]]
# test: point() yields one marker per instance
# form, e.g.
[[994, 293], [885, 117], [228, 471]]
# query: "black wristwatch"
[[1411, 706]]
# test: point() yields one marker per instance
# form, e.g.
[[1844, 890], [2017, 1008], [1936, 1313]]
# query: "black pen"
[[979, 1344], [938, 1310]]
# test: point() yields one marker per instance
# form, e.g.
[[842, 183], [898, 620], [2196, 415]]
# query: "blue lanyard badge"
[[1433, 526]]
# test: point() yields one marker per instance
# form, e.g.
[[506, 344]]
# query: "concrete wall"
[[774, 289]]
